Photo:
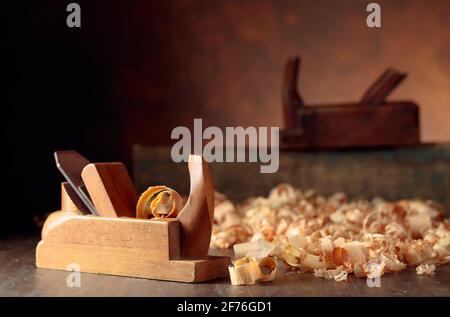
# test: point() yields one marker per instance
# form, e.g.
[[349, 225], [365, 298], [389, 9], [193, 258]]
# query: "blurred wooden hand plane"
[[372, 122]]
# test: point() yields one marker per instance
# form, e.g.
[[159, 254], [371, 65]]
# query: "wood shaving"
[[248, 270], [334, 236], [245, 271], [339, 274], [159, 202], [427, 269], [257, 249], [268, 267]]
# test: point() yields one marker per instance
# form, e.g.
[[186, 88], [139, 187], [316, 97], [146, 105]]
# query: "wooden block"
[[111, 189], [126, 247]]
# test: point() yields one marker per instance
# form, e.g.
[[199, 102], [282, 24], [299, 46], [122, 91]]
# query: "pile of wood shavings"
[[333, 237]]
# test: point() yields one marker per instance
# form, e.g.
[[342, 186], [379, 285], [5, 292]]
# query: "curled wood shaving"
[[159, 202], [268, 267], [293, 256], [245, 271], [334, 236], [426, 269], [248, 270]]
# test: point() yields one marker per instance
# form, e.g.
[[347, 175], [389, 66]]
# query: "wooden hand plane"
[[174, 249], [371, 122]]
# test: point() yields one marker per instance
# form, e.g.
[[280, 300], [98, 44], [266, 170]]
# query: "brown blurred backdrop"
[[137, 69], [222, 60]]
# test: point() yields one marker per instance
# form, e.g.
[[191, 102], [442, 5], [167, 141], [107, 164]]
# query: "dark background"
[[137, 69]]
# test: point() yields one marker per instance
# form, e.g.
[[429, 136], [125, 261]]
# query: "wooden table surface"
[[19, 277]]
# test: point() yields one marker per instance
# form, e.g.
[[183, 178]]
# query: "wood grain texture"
[[122, 246], [132, 262], [197, 216], [111, 189], [158, 238], [57, 217]]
